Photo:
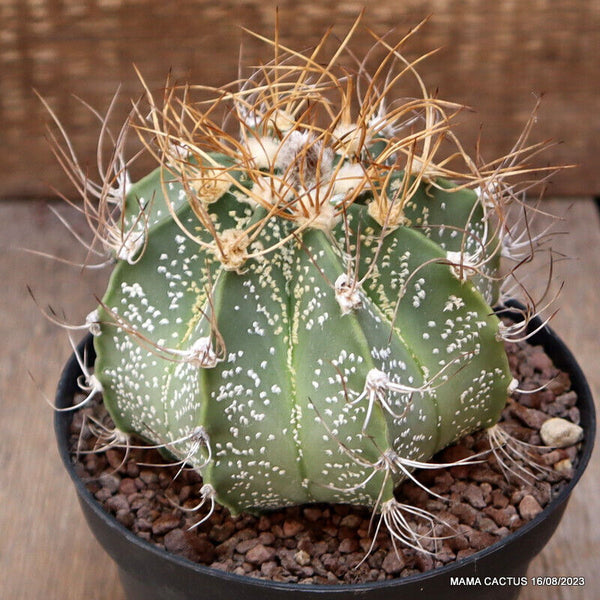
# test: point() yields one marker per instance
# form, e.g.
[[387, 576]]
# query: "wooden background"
[[496, 57]]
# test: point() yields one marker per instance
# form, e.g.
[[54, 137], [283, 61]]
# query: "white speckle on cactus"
[[453, 303]]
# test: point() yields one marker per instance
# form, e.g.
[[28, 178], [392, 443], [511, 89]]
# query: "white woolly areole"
[[347, 294], [350, 137], [129, 249], [201, 354], [349, 177], [92, 322], [376, 380], [319, 214], [263, 150], [463, 264]]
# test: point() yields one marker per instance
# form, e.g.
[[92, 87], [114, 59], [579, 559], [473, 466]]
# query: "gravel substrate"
[[333, 544]]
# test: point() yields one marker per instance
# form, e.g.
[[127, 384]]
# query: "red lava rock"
[[132, 469], [312, 513], [110, 482], [560, 384], [529, 507], [127, 486], [292, 528], [499, 500], [177, 542], [125, 517], [117, 502], [148, 476], [540, 361], [351, 521], [466, 513], [473, 494], [219, 533], [114, 458], [481, 539], [349, 545], [165, 523], [260, 554], [444, 481], [503, 517], [530, 416], [393, 563], [246, 545]]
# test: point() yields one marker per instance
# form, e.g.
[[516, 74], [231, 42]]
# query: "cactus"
[[301, 310]]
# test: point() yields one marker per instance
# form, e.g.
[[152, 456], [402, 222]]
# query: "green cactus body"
[[300, 398]]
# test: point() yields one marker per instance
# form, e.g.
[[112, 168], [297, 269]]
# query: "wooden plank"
[[496, 56], [43, 532]]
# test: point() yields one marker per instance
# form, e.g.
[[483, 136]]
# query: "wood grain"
[[495, 57], [46, 550]]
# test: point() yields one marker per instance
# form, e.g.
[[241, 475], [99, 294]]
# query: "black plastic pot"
[[496, 573]]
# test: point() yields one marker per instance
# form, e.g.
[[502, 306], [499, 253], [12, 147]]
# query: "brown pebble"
[[349, 545], [503, 517], [114, 458], [560, 384], [110, 482], [499, 500], [132, 469], [219, 533], [127, 486], [540, 361], [125, 517], [165, 523], [148, 476], [466, 513], [393, 563], [481, 539], [473, 494], [292, 528], [352, 521], [260, 554], [529, 507], [313, 514], [424, 562], [117, 502], [185, 493], [269, 567], [486, 524], [530, 416], [103, 494], [246, 545], [266, 538], [176, 541]]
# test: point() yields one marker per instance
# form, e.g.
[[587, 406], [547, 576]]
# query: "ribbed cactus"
[[301, 303], [313, 372]]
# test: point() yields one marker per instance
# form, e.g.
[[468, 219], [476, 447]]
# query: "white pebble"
[[560, 433]]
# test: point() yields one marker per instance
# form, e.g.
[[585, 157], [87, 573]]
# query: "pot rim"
[[546, 337]]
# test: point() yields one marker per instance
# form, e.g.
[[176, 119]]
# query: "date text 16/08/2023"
[[518, 581]]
